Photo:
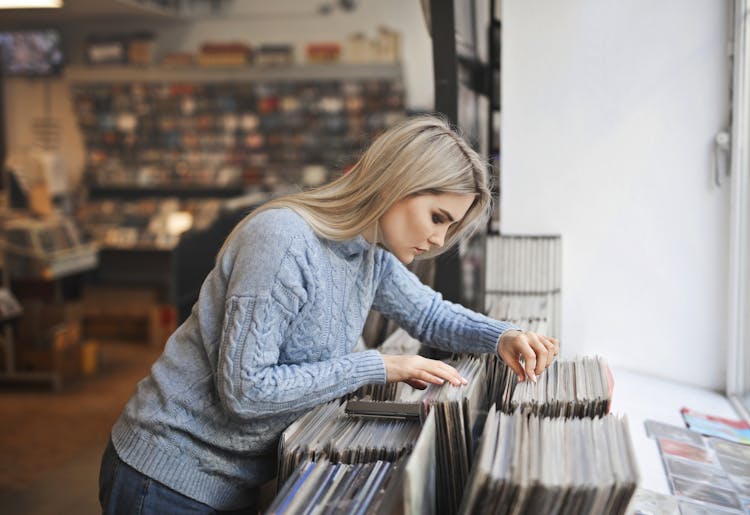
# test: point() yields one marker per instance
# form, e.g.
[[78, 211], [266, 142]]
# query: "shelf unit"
[[300, 72], [97, 192], [196, 133]]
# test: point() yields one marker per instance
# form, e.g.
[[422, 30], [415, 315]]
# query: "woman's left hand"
[[538, 352]]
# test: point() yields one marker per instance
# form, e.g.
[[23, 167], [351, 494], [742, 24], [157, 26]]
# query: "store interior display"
[[167, 160], [385, 47], [227, 135], [224, 54], [570, 403], [203, 139], [274, 55], [135, 49], [146, 222]]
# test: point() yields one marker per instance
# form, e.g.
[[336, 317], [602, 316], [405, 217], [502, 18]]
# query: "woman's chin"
[[405, 257]]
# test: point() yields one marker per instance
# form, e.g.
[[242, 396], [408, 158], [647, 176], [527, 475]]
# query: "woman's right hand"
[[418, 371]]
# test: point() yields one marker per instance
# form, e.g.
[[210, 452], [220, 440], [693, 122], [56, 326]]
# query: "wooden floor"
[[51, 443]]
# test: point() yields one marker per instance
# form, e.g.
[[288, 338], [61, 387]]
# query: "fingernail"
[[532, 376], [441, 381], [464, 380]]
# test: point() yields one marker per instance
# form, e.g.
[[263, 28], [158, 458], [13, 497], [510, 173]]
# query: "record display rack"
[[569, 403], [523, 282]]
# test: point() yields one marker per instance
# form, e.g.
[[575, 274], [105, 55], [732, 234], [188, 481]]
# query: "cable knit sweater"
[[270, 337]]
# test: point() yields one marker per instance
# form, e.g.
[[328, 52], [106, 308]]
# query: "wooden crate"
[[62, 357], [118, 313]]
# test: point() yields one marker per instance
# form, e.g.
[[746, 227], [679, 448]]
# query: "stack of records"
[[501, 382], [456, 409], [526, 464], [530, 465], [323, 486], [523, 280], [529, 311], [327, 431], [579, 388], [377, 392]]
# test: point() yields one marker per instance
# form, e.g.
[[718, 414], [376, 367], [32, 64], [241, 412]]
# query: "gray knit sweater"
[[270, 337]]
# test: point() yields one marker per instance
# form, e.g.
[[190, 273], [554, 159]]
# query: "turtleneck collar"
[[351, 248]]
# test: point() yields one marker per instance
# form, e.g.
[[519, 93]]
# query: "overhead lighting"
[[30, 4]]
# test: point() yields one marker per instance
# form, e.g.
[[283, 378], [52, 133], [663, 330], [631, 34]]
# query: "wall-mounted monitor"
[[30, 53]]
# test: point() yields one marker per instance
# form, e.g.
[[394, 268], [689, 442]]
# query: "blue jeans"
[[125, 491]]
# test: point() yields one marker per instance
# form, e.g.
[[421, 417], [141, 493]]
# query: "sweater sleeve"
[[267, 290], [424, 314]]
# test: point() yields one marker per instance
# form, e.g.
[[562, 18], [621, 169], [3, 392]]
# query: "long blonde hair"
[[420, 155]]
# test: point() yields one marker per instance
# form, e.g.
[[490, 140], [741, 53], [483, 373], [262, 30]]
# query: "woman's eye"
[[437, 219]]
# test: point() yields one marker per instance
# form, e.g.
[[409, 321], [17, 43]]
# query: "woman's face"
[[419, 223]]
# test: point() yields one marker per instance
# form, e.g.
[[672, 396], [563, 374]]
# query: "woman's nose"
[[437, 239]]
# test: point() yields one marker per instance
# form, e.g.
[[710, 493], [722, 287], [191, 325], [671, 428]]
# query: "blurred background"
[[134, 134]]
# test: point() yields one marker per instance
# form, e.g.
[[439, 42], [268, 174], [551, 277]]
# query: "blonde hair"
[[420, 155]]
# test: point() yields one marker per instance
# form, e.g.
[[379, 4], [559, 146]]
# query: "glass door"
[[738, 365]]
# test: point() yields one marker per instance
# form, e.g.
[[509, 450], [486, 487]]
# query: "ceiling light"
[[30, 4]]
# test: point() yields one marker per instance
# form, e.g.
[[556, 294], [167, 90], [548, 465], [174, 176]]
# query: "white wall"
[[609, 111]]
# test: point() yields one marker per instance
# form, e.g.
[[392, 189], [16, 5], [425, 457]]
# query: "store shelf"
[[303, 72], [183, 192], [141, 8]]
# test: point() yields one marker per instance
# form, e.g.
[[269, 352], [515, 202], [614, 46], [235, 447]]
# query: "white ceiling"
[[86, 10]]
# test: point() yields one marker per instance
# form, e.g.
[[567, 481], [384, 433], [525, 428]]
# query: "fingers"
[[416, 383], [513, 362], [420, 370], [441, 370], [529, 361], [528, 354], [543, 358], [552, 344]]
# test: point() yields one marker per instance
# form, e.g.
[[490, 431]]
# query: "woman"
[[272, 332]]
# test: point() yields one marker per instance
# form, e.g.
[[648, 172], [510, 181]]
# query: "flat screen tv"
[[30, 53]]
